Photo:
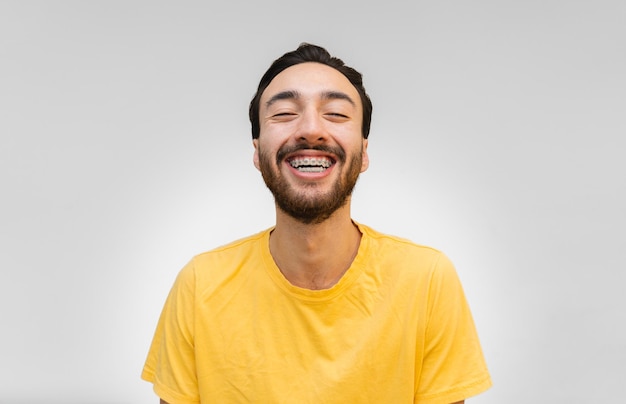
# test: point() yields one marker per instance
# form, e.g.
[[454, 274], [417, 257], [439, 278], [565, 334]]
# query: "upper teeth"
[[310, 161]]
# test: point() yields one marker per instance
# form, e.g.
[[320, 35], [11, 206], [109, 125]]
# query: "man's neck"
[[315, 256]]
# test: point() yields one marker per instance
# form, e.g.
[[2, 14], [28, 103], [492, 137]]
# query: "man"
[[318, 309]]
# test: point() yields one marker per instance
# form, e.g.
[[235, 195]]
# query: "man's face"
[[310, 150]]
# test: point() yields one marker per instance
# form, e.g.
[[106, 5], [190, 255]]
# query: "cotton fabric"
[[396, 328]]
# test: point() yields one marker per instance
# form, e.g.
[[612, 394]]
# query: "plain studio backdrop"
[[498, 136]]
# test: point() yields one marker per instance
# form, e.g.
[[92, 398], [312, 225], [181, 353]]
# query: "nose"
[[311, 129]]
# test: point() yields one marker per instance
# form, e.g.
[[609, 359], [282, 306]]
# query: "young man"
[[319, 308]]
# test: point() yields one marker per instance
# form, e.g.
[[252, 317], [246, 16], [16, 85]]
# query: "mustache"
[[286, 150]]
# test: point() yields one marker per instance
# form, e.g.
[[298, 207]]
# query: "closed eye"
[[284, 114], [336, 116]]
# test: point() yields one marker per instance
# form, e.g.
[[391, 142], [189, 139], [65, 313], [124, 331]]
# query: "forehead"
[[310, 79]]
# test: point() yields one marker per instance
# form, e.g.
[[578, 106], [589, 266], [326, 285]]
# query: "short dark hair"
[[310, 53]]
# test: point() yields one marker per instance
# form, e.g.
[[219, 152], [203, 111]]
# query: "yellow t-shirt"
[[395, 329]]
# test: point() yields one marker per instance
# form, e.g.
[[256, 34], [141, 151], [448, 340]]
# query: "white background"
[[497, 136]]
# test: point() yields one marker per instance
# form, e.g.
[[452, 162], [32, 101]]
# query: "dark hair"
[[310, 53]]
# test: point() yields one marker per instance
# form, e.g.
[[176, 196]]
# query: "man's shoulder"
[[216, 266], [386, 252], [237, 247], [385, 240]]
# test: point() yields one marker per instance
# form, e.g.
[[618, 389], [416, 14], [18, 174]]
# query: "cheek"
[[263, 157]]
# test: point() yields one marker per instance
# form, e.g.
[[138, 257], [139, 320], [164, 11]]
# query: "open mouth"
[[310, 164]]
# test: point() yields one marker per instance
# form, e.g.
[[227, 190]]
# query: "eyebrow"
[[337, 95], [283, 95], [294, 95]]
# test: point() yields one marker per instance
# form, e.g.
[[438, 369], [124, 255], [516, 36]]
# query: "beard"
[[314, 206]]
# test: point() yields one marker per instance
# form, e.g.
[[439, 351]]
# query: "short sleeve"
[[170, 365], [453, 367]]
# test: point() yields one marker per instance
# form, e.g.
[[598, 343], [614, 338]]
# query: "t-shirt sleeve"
[[453, 367], [170, 365]]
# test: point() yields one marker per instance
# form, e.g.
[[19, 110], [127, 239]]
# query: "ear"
[[365, 160], [255, 156]]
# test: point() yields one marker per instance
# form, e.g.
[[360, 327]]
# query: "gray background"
[[498, 137]]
